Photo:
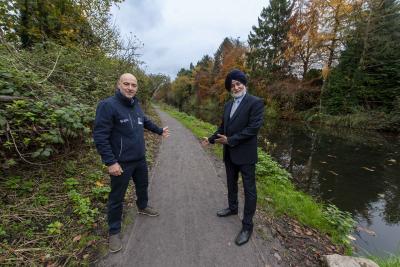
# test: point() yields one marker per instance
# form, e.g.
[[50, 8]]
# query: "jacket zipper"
[[120, 151], [130, 119]]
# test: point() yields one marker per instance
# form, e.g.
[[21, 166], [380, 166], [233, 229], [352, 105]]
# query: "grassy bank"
[[277, 191], [55, 214], [359, 119], [378, 121], [390, 261]]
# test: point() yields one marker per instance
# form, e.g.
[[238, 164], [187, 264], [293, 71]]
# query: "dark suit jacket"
[[241, 130]]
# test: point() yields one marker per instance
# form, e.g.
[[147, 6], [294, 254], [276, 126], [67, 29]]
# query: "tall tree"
[[226, 44], [181, 90], [97, 13], [61, 21], [267, 41], [368, 74], [231, 55], [305, 40], [202, 78], [335, 23]]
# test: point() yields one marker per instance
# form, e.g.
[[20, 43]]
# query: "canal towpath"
[[187, 190]]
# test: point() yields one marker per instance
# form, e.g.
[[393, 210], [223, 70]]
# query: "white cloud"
[[177, 32]]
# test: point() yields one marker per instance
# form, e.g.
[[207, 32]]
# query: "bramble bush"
[[82, 208]]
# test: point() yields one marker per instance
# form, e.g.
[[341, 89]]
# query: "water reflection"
[[357, 171]]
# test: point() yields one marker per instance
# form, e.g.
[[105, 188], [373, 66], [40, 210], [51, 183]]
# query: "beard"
[[241, 93]]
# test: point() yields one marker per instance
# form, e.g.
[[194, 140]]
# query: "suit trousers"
[[250, 190], [138, 172]]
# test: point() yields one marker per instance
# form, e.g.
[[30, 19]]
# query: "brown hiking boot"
[[149, 211], [114, 243]]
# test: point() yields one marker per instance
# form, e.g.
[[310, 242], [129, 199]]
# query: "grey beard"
[[239, 94]]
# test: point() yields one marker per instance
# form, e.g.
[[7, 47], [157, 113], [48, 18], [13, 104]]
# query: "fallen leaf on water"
[[368, 169], [368, 231], [334, 173], [77, 238], [351, 237]]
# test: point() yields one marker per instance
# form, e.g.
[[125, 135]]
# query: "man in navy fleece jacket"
[[119, 137]]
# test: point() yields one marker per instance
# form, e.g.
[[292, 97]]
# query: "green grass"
[[275, 190], [199, 128], [366, 120], [274, 182], [390, 261]]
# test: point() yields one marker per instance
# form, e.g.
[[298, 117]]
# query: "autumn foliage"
[[200, 89], [291, 54]]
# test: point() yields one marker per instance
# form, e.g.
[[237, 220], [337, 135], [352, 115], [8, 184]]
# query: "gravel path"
[[187, 191]]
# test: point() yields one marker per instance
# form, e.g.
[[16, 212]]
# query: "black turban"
[[236, 75]]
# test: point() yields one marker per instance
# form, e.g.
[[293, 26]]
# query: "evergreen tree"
[[268, 42], [218, 56], [184, 72], [368, 74]]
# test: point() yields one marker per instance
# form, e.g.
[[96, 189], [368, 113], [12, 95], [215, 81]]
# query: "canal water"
[[358, 171]]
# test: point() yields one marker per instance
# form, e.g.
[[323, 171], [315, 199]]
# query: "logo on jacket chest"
[[132, 120]]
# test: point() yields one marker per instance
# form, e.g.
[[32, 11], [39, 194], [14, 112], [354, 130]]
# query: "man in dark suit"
[[243, 117]]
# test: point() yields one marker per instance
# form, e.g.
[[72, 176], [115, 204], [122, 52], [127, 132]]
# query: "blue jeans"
[[137, 170]]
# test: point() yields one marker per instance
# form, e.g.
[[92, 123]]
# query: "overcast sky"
[[178, 32]]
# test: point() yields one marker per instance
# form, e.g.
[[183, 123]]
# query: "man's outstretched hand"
[[165, 132], [204, 141]]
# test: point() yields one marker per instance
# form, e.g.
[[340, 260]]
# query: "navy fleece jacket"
[[119, 129]]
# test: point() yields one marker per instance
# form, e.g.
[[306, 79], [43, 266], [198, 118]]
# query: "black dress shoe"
[[226, 212], [243, 237]]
